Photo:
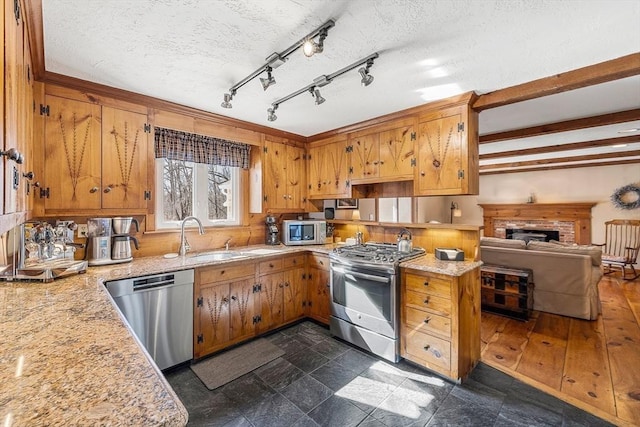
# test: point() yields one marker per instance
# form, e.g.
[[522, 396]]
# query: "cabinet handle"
[[426, 283], [270, 265], [422, 173], [225, 300], [427, 347], [280, 285], [328, 284], [427, 320], [286, 284], [108, 189], [289, 196], [284, 196], [233, 297], [93, 190], [426, 301]]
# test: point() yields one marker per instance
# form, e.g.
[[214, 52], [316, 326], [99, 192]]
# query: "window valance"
[[177, 145]]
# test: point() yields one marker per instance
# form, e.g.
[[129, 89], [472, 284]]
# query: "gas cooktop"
[[372, 252]]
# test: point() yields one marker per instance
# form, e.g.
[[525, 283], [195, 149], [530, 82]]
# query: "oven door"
[[365, 297]]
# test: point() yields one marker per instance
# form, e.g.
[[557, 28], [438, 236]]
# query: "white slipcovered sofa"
[[565, 276]]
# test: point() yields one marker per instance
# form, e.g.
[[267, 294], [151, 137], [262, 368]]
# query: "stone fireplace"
[[571, 220]]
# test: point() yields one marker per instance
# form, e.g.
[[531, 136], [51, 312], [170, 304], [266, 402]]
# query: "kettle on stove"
[[405, 245]]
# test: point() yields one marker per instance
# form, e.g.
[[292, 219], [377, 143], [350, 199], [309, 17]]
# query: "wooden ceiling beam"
[[564, 126], [619, 68], [563, 147], [618, 154], [556, 167]]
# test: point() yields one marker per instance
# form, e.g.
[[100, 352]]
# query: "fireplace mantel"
[[577, 213]]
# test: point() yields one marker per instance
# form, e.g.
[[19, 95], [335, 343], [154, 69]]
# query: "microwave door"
[[295, 233], [307, 233]]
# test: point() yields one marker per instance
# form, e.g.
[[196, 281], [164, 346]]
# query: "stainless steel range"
[[365, 296]]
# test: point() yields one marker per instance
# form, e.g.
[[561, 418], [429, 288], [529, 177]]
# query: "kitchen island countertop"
[[431, 264], [68, 357]]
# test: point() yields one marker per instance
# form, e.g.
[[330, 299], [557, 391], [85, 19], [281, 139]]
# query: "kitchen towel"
[[226, 367]]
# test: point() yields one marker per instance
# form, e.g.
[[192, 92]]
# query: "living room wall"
[[590, 184]]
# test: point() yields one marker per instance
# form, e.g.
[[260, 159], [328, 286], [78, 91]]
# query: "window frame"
[[199, 209]]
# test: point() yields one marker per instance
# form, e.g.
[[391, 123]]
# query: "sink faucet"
[[226, 244], [184, 245]]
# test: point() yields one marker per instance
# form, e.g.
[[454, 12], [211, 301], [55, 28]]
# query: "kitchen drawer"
[[266, 267], [318, 261], [430, 323], [429, 284], [221, 274], [433, 303], [293, 262], [427, 349]]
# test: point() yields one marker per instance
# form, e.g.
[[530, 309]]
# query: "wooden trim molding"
[[588, 157], [562, 166], [578, 213], [619, 68]]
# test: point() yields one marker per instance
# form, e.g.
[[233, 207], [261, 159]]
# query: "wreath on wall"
[[623, 197]]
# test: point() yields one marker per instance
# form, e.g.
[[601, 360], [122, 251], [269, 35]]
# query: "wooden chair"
[[621, 246]]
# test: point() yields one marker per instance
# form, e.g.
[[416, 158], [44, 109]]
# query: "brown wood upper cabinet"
[[95, 158], [284, 179], [328, 168], [447, 152], [382, 154]]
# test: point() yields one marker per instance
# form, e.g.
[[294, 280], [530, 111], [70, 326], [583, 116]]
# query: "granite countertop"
[[430, 264], [68, 358]]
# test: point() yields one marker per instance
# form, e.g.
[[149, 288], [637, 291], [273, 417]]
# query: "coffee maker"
[[109, 241], [271, 236], [121, 239], [98, 250]]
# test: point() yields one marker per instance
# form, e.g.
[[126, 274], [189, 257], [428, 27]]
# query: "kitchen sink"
[[219, 255]]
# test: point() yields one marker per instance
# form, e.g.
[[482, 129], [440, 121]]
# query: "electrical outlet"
[[83, 230]]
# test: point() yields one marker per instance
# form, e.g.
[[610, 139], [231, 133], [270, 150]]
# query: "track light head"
[[367, 78], [271, 116], [227, 100], [269, 80], [309, 47], [319, 98]]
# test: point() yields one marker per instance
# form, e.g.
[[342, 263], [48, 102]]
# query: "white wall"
[[593, 184]]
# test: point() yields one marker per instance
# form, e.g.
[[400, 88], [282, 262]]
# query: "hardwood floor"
[[594, 365]]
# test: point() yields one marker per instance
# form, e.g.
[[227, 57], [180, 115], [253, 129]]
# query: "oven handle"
[[371, 277]]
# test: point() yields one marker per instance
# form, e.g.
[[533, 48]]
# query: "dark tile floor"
[[321, 381]]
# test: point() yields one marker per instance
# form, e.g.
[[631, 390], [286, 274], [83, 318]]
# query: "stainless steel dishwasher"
[[159, 309]]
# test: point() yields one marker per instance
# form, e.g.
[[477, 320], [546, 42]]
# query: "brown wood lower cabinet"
[[319, 297], [440, 321], [224, 306]]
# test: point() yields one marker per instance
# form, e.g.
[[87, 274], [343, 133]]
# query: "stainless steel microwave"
[[306, 232]]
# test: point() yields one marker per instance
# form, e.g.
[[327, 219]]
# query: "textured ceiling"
[[192, 51]]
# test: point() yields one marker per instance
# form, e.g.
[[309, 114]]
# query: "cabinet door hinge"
[[265, 198], [257, 288], [413, 161], [413, 136], [460, 174], [308, 156], [28, 74], [199, 302], [309, 276], [309, 303], [257, 319], [147, 128], [147, 195], [348, 183], [44, 110], [44, 193], [200, 339], [349, 149], [264, 149], [16, 10], [304, 303], [461, 127], [350, 170]]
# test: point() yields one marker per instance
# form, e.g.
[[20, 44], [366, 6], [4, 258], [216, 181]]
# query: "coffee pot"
[[98, 250], [271, 235]]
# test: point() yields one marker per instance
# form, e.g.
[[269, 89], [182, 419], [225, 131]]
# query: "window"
[[208, 192]]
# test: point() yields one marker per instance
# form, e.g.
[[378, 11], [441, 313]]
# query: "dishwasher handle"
[[155, 282]]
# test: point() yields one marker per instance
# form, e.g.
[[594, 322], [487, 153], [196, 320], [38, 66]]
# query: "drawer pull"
[[270, 265], [426, 283], [426, 301], [427, 347], [233, 297], [427, 320], [280, 285]]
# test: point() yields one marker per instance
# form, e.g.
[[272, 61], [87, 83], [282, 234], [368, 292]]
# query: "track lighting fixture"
[[269, 80], [367, 78], [227, 100], [309, 47], [324, 80], [275, 60], [316, 94], [272, 114]]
